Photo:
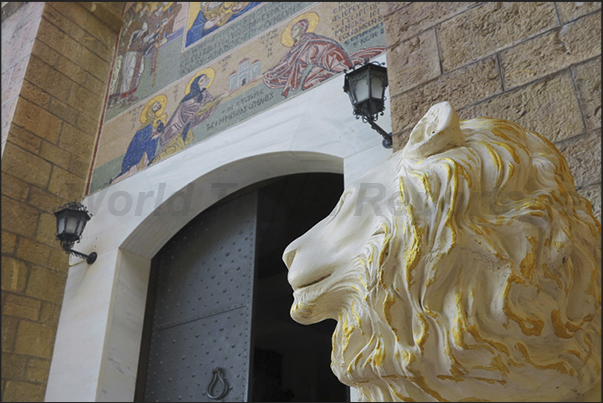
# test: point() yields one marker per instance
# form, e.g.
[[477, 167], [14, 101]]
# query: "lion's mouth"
[[313, 282]]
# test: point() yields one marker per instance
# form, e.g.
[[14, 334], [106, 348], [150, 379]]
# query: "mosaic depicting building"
[[204, 138]]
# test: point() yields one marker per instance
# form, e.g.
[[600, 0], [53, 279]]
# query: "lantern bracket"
[[91, 258], [387, 137]]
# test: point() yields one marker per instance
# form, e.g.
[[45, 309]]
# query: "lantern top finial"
[[73, 205]]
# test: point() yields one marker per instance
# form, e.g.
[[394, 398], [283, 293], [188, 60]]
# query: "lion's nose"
[[288, 256]]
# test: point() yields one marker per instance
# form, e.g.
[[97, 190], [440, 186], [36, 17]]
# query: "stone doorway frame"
[[97, 344]]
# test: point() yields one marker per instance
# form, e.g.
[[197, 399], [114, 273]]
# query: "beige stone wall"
[[62, 61], [19, 30], [538, 64]]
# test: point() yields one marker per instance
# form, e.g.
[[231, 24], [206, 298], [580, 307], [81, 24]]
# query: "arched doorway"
[[264, 357], [96, 349]]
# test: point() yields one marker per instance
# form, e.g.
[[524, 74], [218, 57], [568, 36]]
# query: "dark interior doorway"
[[291, 362]]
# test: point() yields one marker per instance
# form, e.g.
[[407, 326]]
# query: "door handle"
[[214, 390]]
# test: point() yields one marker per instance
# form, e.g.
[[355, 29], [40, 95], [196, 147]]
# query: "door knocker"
[[215, 391]]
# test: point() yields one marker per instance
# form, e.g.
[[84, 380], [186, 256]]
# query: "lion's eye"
[[339, 204]]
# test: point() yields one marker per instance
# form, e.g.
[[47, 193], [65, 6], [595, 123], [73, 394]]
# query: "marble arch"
[[156, 229]]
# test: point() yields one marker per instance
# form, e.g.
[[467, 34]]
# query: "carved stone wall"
[[56, 59], [538, 64]]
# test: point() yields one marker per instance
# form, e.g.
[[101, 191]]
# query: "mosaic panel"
[[177, 82]]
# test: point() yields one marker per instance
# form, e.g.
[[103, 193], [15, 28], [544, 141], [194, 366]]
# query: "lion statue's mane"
[[480, 279]]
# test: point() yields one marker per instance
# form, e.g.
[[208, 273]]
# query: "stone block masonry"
[[18, 36], [538, 64], [56, 59]]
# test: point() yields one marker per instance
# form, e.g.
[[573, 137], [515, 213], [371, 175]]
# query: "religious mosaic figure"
[[145, 31], [213, 15], [326, 56], [162, 16], [196, 106], [143, 146], [133, 63]]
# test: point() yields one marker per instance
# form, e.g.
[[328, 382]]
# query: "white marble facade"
[[98, 338]]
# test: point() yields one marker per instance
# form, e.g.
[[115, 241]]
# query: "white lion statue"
[[475, 277]]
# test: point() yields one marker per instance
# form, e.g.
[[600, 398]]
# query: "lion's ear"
[[439, 130]]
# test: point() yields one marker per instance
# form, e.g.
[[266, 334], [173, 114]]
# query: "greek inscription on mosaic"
[[365, 37], [243, 107], [177, 81], [238, 33], [268, 40], [207, 17], [350, 18]]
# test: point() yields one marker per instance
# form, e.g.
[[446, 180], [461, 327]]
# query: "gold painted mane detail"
[[475, 277]]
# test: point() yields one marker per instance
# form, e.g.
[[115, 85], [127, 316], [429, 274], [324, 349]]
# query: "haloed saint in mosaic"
[[185, 72], [156, 139], [324, 56], [148, 27]]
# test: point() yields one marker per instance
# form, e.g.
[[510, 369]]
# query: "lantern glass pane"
[[351, 95], [71, 225], [61, 223], [349, 90], [377, 87], [361, 89], [80, 228]]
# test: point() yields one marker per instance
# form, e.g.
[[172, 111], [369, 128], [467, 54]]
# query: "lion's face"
[[323, 259], [464, 267]]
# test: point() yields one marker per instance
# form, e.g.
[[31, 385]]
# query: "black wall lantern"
[[366, 87], [71, 221]]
